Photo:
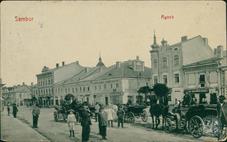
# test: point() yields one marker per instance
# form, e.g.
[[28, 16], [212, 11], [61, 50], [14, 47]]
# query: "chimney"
[[218, 52], [118, 64], [23, 83], [137, 58], [63, 63], [86, 70], [184, 38], [57, 65], [31, 83], [77, 62], [205, 41]]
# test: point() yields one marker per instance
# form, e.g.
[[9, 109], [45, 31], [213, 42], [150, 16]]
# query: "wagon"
[[59, 114], [135, 111], [197, 119]]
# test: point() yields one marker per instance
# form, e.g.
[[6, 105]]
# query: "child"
[[71, 120]]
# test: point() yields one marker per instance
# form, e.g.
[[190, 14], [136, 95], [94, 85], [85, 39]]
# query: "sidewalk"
[[14, 130]]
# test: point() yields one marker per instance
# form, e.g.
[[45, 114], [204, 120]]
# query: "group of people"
[[14, 108], [104, 115], [35, 113]]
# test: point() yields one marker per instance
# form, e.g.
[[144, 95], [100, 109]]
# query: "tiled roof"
[[203, 62], [125, 71]]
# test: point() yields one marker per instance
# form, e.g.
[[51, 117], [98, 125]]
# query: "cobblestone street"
[[58, 131]]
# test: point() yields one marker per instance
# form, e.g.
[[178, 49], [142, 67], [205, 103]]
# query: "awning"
[[197, 90]]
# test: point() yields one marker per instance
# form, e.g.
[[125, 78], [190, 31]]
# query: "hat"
[[71, 110]]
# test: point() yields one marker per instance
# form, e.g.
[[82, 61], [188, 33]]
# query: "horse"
[[163, 101], [158, 109], [155, 111]]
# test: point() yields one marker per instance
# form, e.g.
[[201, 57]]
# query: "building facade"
[[116, 84], [202, 79], [19, 94], [44, 89], [174, 64]]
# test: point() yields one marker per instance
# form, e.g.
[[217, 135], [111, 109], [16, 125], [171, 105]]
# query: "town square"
[[113, 72]]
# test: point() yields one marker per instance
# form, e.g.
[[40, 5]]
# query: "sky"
[[83, 30]]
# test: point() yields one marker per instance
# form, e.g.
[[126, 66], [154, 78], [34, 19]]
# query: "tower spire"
[[100, 63], [154, 37], [100, 58]]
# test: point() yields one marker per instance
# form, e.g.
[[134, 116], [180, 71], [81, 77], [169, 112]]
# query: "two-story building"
[[115, 84]]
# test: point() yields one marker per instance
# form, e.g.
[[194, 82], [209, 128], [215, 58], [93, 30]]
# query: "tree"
[[162, 91], [145, 90]]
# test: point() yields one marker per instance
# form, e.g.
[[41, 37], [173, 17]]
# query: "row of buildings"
[[190, 65]]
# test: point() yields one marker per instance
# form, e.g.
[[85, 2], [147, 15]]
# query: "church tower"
[[100, 63]]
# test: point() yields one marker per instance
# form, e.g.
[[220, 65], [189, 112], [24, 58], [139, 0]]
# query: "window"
[[155, 63], [117, 85], [73, 90], [155, 79], [177, 78], [88, 88], [176, 60], [164, 62], [111, 85], [95, 87], [165, 81], [202, 80]]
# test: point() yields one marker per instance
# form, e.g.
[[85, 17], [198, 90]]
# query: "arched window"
[[176, 60]]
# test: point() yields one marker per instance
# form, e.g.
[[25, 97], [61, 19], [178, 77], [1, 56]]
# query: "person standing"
[[8, 109], [110, 116], [85, 123], [35, 115], [97, 107], [71, 120], [15, 110], [120, 115], [102, 118]]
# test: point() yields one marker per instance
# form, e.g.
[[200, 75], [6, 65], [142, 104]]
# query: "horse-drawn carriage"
[[61, 112], [135, 111], [197, 119]]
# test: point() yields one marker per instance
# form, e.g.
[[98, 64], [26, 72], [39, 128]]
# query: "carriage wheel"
[[130, 117], [144, 116], [196, 126], [211, 122], [170, 125]]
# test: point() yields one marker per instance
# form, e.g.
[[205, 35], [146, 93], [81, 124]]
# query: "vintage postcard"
[[113, 71]]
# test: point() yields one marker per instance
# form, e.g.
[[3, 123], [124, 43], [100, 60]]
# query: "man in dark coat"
[[120, 115], [102, 119], [35, 115], [8, 109], [15, 110], [85, 123]]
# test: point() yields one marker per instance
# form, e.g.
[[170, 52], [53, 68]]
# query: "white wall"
[[195, 50]]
